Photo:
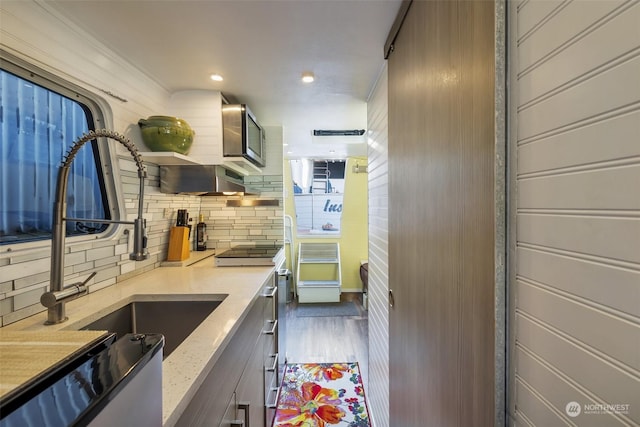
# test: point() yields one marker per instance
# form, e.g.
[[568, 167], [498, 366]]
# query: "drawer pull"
[[273, 390], [271, 292], [275, 363], [273, 329], [243, 406]]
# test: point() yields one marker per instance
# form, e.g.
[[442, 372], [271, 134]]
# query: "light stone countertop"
[[186, 368]]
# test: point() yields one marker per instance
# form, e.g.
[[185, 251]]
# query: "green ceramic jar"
[[165, 133]]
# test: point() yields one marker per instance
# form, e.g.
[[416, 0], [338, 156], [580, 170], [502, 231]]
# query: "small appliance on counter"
[[250, 255], [109, 383]]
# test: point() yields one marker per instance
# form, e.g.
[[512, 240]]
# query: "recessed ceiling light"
[[216, 77], [308, 77]]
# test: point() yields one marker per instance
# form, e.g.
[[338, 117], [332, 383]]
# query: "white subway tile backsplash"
[[121, 249], [25, 282], [244, 213], [127, 267], [126, 165], [28, 298], [107, 261], [74, 258], [6, 306], [75, 246], [26, 275], [229, 213], [19, 314], [17, 271], [5, 287], [94, 254], [26, 256], [85, 266], [102, 243], [107, 273]]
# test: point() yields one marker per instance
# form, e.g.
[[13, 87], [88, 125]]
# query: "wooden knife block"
[[178, 244]]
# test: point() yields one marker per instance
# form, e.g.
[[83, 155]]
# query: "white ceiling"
[[261, 47]]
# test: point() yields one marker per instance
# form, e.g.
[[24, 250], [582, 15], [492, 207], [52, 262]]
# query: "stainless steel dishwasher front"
[[112, 383]]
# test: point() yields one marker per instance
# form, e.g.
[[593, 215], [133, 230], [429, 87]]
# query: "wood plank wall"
[[441, 216], [576, 271], [377, 125]]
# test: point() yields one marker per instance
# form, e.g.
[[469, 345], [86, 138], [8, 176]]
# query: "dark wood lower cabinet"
[[229, 416], [250, 404], [234, 393]]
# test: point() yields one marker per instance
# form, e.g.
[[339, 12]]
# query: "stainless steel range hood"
[[201, 180]]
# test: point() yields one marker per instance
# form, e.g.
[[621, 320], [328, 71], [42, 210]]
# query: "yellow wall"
[[354, 227]]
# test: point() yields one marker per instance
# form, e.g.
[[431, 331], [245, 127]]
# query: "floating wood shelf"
[[167, 158]]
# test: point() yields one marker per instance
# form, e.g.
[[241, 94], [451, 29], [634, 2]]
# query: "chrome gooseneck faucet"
[[58, 294]]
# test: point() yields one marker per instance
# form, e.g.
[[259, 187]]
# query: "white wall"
[[378, 387], [575, 310]]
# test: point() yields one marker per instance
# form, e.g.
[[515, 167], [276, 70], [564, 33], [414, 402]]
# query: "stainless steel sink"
[[174, 318]]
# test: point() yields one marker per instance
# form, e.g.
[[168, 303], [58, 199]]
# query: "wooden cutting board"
[[27, 354]]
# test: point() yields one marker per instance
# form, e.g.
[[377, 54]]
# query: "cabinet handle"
[[273, 328], [275, 363], [272, 291], [392, 300], [244, 406], [275, 401]]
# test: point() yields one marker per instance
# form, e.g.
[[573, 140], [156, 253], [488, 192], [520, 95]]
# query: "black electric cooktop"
[[250, 252], [248, 255]]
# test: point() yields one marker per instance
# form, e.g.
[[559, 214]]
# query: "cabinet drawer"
[[250, 391], [230, 413], [271, 342], [271, 372], [271, 303], [210, 401], [271, 396]]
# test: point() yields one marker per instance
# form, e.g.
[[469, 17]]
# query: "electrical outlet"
[[167, 213]]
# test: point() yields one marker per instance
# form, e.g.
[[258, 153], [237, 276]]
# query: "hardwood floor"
[[329, 339]]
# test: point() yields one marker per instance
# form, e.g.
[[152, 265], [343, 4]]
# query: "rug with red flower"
[[321, 394]]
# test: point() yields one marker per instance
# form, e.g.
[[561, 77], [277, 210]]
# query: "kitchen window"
[[318, 192], [39, 120]]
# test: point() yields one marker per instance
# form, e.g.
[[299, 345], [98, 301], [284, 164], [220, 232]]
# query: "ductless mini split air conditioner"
[[348, 136], [350, 132]]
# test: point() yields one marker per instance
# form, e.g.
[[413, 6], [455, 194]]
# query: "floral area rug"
[[321, 395]]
